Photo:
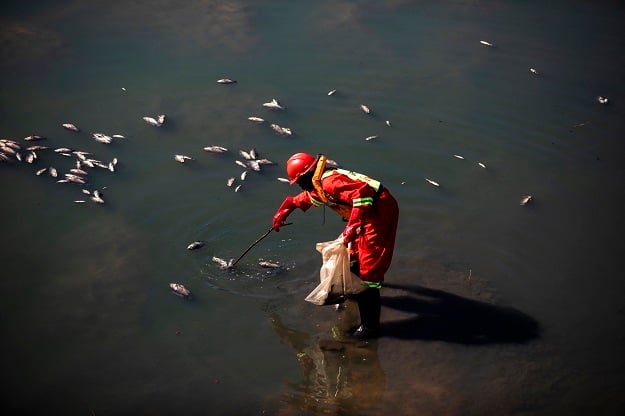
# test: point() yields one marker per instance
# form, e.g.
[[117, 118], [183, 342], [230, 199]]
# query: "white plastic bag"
[[337, 280]]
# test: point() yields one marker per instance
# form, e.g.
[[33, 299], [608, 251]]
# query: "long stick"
[[253, 244]]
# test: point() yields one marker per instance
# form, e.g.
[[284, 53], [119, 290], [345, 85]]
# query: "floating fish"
[[256, 119], [432, 182], [602, 100], [365, 109], [52, 171], [243, 165], [237, 188], [230, 181], [118, 136], [33, 138], [332, 92], [371, 138], [86, 191], [534, 71], [459, 157], [223, 263], [180, 290], [226, 81], [285, 180], [154, 122], [78, 171], [102, 138], [62, 150], [182, 158], [40, 171], [273, 104], [526, 200], [269, 265], [36, 147], [388, 123], [246, 155], [70, 126], [195, 245], [483, 42], [243, 175], [480, 164], [215, 149], [97, 199], [80, 201], [281, 130], [160, 118]]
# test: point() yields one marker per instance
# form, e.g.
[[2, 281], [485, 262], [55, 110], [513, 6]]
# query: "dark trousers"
[[369, 307]]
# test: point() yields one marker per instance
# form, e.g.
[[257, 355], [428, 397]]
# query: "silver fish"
[[195, 245], [62, 150], [256, 119], [534, 71], [160, 118], [226, 81], [36, 147], [243, 165], [182, 158], [480, 164], [365, 109], [526, 200], [230, 181], [33, 137], [245, 155], [40, 171], [432, 182], [274, 105], [78, 171], [70, 126], [285, 180], [483, 42], [269, 265], [388, 123], [243, 175], [180, 290], [602, 100], [97, 199], [332, 92], [118, 136], [223, 263], [237, 188], [371, 138], [215, 149], [151, 121], [53, 172], [459, 157]]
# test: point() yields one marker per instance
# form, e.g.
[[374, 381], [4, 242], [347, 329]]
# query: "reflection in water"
[[340, 376]]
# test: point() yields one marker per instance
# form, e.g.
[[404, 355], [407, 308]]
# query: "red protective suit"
[[372, 223]]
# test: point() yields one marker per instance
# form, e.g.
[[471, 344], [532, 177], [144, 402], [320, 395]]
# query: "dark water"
[[491, 307]]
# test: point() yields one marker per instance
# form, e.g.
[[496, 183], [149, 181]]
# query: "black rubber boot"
[[369, 306]]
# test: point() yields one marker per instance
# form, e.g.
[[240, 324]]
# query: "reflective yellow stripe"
[[314, 201], [355, 176], [362, 202]]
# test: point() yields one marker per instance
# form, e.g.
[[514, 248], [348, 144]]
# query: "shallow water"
[[491, 307]]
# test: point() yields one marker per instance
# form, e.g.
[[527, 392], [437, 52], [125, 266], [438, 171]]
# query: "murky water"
[[491, 307]]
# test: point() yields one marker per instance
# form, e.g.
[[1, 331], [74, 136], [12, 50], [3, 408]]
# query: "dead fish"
[[53, 172], [223, 263], [111, 166], [226, 81], [30, 157], [62, 150], [285, 180], [180, 290], [274, 105], [33, 137], [281, 130], [237, 188], [365, 109], [70, 126], [269, 265], [480, 164], [256, 119], [36, 147], [215, 149], [254, 165], [246, 155], [97, 199], [86, 191], [332, 92], [483, 42], [40, 171], [534, 71], [243, 165], [195, 245], [388, 123], [459, 157], [102, 138], [230, 181], [152, 121], [243, 175], [265, 162], [432, 182], [526, 200], [118, 136], [602, 100], [160, 118], [79, 201], [371, 138], [78, 171], [182, 158]]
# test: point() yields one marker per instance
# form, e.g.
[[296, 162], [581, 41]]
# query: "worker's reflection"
[[340, 375]]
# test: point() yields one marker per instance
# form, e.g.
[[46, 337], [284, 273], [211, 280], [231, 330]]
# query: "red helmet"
[[299, 164]]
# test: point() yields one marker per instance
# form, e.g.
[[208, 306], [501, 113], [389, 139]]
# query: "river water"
[[491, 307]]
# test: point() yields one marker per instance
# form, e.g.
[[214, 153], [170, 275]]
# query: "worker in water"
[[371, 213]]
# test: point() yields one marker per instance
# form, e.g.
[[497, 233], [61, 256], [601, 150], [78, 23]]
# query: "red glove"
[[353, 227], [283, 212]]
